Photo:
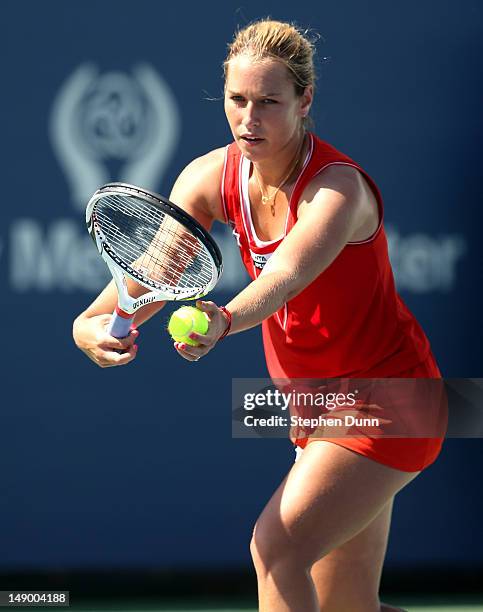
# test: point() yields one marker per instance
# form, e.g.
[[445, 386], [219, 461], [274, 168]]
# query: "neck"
[[272, 172]]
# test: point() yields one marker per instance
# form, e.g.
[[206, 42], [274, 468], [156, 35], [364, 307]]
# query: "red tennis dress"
[[349, 322]]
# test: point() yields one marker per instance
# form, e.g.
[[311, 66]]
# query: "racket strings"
[[152, 244]]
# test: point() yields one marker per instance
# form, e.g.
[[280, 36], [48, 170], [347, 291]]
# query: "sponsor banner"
[[351, 407], [125, 125]]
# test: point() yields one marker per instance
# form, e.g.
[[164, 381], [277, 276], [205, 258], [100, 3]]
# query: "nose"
[[250, 117]]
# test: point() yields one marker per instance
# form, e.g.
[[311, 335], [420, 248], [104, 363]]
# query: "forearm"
[[106, 302], [260, 300]]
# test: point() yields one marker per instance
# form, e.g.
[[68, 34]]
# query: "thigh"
[[348, 577], [330, 495]]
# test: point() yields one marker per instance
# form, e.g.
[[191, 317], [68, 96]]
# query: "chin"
[[253, 154]]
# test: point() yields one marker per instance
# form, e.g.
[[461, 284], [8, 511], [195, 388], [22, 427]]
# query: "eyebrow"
[[268, 95]]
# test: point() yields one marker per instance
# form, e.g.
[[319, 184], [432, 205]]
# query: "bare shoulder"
[[348, 183], [344, 179], [197, 188]]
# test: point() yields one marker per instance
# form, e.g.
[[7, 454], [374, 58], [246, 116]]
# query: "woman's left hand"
[[217, 324]]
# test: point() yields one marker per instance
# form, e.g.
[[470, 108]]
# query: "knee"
[[272, 547], [255, 552]]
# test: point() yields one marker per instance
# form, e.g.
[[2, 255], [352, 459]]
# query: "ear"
[[306, 100]]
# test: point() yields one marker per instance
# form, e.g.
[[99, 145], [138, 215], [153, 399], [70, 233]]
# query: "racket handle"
[[119, 325]]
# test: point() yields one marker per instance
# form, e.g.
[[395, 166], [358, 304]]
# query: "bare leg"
[[330, 495], [348, 577]]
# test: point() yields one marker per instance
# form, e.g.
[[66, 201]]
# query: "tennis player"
[[309, 224]]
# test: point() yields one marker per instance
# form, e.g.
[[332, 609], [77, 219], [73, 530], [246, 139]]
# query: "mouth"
[[251, 140]]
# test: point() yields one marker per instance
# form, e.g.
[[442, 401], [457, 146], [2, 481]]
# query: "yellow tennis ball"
[[186, 320]]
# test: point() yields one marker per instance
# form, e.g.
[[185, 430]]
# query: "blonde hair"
[[267, 39]]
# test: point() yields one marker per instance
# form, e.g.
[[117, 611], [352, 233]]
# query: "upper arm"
[[197, 188], [333, 207]]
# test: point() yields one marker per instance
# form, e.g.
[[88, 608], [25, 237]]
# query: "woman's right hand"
[[91, 337]]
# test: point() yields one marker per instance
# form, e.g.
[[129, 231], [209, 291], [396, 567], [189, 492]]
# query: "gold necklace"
[[267, 198]]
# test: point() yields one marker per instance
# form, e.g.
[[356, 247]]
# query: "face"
[[263, 110]]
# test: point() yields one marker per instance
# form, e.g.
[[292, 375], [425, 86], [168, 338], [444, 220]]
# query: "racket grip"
[[119, 325]]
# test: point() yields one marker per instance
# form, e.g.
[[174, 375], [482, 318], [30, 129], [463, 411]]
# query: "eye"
[[269, 101], [237, 98]]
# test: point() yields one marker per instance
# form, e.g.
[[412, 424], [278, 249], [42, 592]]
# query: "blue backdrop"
[[99, 475]]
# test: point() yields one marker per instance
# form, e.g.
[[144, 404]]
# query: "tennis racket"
[[145, 237]]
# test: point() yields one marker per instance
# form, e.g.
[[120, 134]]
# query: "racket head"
[[154, 242]]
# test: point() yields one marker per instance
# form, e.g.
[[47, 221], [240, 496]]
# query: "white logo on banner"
[[132, 121]]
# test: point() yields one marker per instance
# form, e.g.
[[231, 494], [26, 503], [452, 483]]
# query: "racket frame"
[[127, 307]]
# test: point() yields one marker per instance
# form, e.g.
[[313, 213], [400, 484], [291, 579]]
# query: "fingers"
[[188, 352], [108, 359], [204, 342], [111, 359], [217, 323], [209, 307], [116, 351], [202, 339], [119, 344], [104, 350]]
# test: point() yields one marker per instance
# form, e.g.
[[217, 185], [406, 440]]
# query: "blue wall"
[[97, 474]]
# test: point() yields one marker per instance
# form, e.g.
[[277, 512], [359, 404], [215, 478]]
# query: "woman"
[[308, 221]]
